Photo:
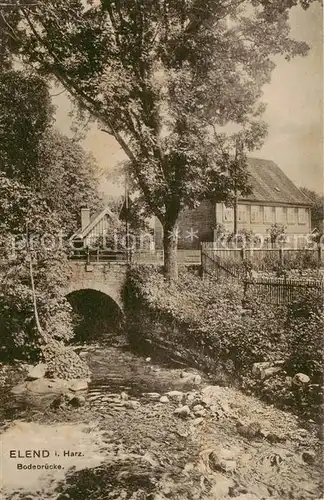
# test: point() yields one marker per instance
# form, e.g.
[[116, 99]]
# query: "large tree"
[[317, 208], [26, 115], [35, 316], [30, 230], [69, 179], [44, 180], [164, 77], [35, 154]]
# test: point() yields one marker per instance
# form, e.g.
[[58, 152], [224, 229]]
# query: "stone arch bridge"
[[105, 271], [105, 277]]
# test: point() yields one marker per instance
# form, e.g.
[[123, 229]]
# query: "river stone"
[[153, 395], [183, 411], [201, 413], [44, 386], [132, 405], [199, 410], [273, 438], [164, 399], [191, 377], [77, 401], [228, 465], [19, 389], [258, 368], [176, 395], [211, 395], [36, 372], [309, 457], [58, 402], [78, 385], [187, 375], [301, 379], [270, 372], [69, 396]]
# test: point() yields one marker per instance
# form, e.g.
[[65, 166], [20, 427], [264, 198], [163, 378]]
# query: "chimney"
[[85, 217]]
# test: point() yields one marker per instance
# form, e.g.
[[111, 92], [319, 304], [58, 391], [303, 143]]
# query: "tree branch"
[[13, 34], [94, 108]]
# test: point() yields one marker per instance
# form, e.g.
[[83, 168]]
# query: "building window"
[[291, 219], [228, 215], [302, 216], [241, 213], [284, 211], [255, 214], [280, 215], [268, 215]]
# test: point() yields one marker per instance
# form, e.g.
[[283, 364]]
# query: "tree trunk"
[[170, 245], [32, 283], [31, 276]]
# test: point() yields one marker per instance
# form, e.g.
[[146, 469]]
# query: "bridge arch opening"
[[97, 317]]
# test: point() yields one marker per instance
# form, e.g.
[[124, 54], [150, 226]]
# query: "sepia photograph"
[[161, 250]]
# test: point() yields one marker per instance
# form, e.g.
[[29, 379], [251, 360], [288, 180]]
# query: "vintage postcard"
[[161, 249]]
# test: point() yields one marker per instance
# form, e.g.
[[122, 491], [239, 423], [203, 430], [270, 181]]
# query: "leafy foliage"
[[25, 116], [205, 322], [44, 180], [277, 234], [165, 77], [305, 317], [22, 209], [212, 314], [32, 152], [69, 179], [317, 208]]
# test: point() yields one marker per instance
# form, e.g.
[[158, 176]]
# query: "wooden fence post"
[[281, 255], [201, 261], [88, 255], [242, 254]]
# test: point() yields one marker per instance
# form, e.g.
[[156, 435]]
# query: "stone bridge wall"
[[106, 277]]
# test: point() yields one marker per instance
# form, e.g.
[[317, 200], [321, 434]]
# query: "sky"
[[294, 112]]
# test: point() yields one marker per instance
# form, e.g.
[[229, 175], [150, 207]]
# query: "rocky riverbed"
[[156, 432]]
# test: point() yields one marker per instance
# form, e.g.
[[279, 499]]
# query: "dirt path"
[[199, 443]]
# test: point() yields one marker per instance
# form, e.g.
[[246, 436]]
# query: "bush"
[[205, 323], [304, 334], [208, 314]]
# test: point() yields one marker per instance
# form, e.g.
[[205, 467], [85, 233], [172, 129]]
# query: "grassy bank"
[[204, 324]]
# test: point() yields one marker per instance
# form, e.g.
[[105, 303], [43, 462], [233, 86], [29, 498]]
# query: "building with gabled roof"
[[274, 200], [94, 226], [106, 229]]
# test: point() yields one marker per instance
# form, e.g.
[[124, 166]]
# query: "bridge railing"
[[98, 255], [138, 256]]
